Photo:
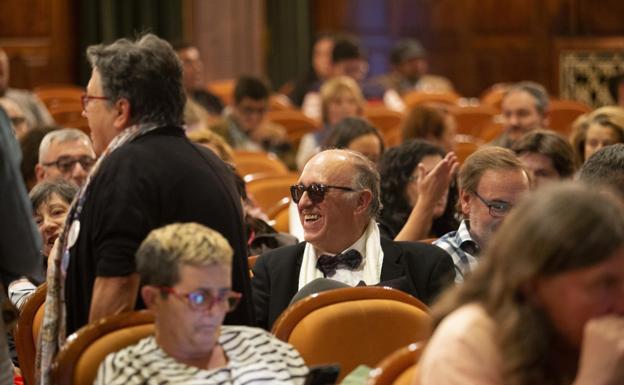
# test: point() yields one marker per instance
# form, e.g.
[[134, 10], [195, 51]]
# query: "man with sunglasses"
[[66, 154], [337, 198], [186, 272], [491, 181]]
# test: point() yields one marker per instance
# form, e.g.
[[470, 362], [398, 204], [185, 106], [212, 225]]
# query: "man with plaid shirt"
[[490, 183]]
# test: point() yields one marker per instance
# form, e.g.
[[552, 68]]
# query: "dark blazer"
[[419, 269]]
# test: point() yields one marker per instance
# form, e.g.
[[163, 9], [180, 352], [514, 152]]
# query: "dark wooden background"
[[473, 42]]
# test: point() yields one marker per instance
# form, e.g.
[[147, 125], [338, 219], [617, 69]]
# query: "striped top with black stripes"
[[254, 357]]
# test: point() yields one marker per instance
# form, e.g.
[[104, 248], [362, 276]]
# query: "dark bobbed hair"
[[552, 145], [250, 87], [347, 48], [559, 228], [396, 167], [349, 129], [146, 72], [43, 191]]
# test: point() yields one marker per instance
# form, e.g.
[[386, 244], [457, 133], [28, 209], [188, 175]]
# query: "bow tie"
[[329, 263]]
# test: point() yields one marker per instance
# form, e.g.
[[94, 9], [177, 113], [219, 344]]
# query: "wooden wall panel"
[[39, 37], [475, 42], [230, 37]]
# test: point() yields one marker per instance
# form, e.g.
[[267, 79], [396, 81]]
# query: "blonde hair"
[[332, 88], [215, 141], [609, 116], [559, 228], [163, 251]]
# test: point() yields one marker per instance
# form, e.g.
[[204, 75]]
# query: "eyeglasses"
[[86, 98], [316, 192], [66, 164], [203, 299], [498, 209]]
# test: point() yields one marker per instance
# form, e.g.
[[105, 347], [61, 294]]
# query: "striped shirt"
[[462, 248], [254, 357]]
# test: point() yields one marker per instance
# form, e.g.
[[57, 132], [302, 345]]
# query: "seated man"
[[186, 270], [546, 155], [67, 154], [409, 70], [193, 78], [338, 200], [244, 127], [525, 108], [491, 181], [606, 168]]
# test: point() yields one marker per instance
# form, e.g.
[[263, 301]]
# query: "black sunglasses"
[[316, 192]]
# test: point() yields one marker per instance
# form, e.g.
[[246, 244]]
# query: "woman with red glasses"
[[186, 273]]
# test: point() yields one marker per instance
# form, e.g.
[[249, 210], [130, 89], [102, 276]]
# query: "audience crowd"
[[514, 247]]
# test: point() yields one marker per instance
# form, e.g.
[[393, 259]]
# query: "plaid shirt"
[[462, 248]]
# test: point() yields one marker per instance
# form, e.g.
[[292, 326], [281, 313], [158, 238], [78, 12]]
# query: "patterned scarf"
[[52, 335]]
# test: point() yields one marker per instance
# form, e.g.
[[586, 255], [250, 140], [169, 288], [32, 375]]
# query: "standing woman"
[[546, 304]]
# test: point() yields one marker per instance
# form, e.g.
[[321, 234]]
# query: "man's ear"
[[151, 296], [123, 108], [39, 172], [465, 199], [365, 199]]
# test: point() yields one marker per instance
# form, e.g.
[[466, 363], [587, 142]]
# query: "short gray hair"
[[146, 72], [536, 90], [365, 177], [163, 251], [63, 135]]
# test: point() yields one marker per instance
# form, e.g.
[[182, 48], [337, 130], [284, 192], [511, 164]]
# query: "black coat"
[[419, 269]]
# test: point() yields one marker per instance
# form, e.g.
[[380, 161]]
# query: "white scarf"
[[372, 255]]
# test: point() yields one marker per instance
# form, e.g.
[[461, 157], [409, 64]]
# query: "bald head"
[[355, 168]]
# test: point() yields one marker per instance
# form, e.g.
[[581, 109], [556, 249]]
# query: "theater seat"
[[27, 332], [353, 326], [269, 192], [79, 359], [399, 368], [250, 162]]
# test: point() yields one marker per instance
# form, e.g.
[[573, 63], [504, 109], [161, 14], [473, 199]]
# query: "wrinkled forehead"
[[333, 168]]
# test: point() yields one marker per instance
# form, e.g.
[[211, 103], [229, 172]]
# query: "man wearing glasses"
[[66, 154], [491, 181], [337, 198], [186, 271]]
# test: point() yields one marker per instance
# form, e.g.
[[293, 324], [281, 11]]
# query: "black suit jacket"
[[419, 269]]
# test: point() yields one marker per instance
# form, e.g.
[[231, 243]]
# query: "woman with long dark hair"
[[418, 192]]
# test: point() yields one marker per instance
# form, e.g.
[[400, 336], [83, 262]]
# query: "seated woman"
[[50, 203], [545, 305], [186, 272], [417, 199], [432, 124], [599, 128], [340, 97], [546, 156], [359, 135]]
